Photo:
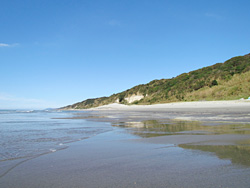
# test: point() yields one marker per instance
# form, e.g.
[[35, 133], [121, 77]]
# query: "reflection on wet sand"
[[152, 128], [239, 154], [236, 151]]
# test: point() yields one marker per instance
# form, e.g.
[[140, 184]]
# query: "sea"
[[26, 134]]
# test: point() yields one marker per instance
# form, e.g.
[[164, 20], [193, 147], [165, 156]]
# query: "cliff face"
[[201, 84], [133, 98]]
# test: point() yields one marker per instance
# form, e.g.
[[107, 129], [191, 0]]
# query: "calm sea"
[[26, 134]]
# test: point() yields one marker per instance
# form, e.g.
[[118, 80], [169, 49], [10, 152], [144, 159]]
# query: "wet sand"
[[149, 147], [114, 160]]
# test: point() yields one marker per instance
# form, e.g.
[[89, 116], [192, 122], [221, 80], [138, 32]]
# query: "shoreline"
[[205, 111]]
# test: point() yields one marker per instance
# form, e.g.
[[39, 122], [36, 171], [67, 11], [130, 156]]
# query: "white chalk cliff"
[[134, 98]]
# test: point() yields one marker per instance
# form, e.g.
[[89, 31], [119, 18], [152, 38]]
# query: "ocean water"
[[26, 134]]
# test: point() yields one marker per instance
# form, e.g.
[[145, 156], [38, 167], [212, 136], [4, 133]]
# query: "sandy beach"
[[193, 144], [216, 111], [179, 105]]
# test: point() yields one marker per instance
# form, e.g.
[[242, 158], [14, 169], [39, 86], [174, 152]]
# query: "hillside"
[[228, 80]]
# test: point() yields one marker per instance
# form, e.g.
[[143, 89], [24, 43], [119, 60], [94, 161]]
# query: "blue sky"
[[55, 53]]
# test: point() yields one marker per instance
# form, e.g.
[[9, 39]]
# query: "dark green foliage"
[[214, 83], [175, 89]]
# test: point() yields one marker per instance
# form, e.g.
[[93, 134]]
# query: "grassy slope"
[[236, 88], [229, 80]]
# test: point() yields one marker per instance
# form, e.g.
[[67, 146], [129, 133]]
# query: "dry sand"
[[179, 105], [216, 111]]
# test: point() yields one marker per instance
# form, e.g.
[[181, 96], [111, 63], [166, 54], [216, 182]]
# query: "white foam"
[[53, 150]]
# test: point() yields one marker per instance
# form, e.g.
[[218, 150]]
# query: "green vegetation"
[[238, 154], [222, 81], [153, 128]]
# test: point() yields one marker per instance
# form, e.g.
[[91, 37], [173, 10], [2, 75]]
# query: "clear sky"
[[58, 52]]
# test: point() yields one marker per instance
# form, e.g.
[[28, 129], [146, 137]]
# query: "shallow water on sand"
[[152, 128], [26, 134], [236, 150], [111, 153], [115, 159]]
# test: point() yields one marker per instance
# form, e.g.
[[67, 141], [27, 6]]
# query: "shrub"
[[214, 83]]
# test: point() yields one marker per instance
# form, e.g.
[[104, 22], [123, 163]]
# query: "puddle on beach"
[[152, 128], [237, 153]]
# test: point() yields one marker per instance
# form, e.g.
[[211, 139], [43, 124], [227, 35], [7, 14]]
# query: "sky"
[[56, 53]]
